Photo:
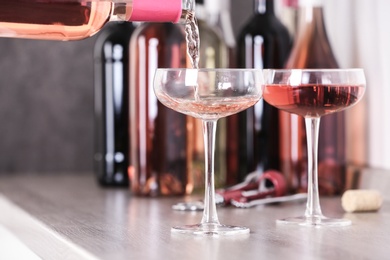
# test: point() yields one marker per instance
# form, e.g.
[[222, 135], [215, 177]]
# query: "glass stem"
[[313, 208], [210, 209]]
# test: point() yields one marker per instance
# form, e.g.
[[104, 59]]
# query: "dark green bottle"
[[111, 93], [263, 42]]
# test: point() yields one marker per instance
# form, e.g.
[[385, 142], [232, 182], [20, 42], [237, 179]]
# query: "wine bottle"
[[312, 49], [213, 53], [111, 93], [219, 18], [213, 50], [288, 14], [78, 19], [161, 152], [264, 42]]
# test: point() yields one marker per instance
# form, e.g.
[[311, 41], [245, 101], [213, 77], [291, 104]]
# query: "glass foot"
[[315, 221], [210, 230]]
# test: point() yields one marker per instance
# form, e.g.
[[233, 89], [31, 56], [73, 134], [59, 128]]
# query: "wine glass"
[[209, 94], [313, 93]]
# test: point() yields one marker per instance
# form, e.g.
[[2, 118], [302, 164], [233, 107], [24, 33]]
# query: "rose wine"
[[78, 19], [209, 108], [313, 100], [56, 20]]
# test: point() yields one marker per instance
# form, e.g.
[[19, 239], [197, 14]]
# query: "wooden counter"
[[69, 216]]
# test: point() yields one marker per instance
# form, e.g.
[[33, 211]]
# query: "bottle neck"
[[188, 11], [264, 6], [312, 48], [188, 5], [311, 19], [208, 10], [217, 15], [310, 13], [225, 23], [152, 10]]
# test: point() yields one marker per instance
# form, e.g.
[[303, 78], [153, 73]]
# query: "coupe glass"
[[313, 93], [209, 94]]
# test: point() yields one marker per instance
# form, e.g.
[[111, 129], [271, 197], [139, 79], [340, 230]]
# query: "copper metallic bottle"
[[312, 49], [160, 141]]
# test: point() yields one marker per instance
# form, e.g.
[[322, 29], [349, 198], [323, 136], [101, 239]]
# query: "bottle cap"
[[156, 11]]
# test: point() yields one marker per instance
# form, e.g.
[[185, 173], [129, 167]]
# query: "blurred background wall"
[[46, 105], [46, 91]]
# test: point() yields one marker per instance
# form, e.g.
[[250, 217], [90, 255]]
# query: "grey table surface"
[[70, 216]]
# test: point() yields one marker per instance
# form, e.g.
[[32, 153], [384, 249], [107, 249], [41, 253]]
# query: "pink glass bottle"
[[78, 19]]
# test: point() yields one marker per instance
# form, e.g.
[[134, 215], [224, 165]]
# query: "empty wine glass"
[[313, 93], [209, 94]]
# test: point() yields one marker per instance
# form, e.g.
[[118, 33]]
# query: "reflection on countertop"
[[70, 216]]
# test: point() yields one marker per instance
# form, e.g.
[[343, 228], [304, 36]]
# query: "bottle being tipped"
[[79, 19]]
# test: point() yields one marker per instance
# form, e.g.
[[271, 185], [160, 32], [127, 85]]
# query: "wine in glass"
[[313, 93], [209, 94]]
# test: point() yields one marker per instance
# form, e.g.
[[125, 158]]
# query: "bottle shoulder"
[[163, 31], [208, 32], [115, 32], [271, 34], [313, 41], [312, 54], [263, 24]]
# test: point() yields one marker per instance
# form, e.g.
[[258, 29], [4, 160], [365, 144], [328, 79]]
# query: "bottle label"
[[156, 11]]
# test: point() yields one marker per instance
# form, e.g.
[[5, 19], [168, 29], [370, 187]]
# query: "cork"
[[361, 200]]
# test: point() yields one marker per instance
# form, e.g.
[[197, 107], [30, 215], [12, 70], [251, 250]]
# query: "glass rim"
[[315, 70], [211, 69], [263, 70]]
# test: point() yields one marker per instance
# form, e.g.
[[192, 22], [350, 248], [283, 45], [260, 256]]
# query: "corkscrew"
[[269, 200], [222, 197], [257, 189], [269, 184]]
